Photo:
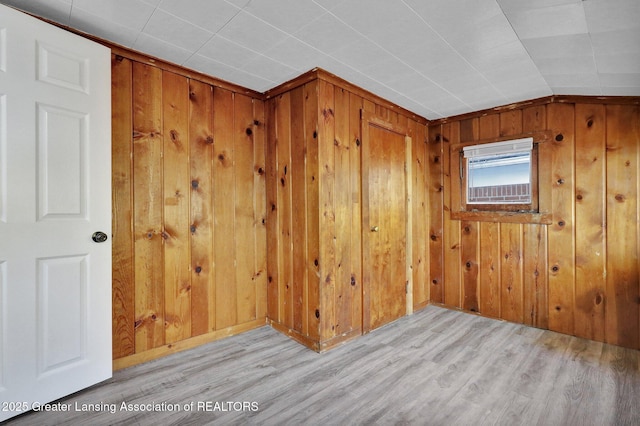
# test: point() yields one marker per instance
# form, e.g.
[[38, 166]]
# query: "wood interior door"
[[386, 219]]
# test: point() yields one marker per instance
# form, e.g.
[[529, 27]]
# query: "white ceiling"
[[436, 58]]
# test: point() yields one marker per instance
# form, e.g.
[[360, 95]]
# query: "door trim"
[[368, 119]]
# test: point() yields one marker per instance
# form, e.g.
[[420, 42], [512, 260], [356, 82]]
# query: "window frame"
[[531, 207], [539, 211]]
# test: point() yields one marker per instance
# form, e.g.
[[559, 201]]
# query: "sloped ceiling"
[[436, 58]]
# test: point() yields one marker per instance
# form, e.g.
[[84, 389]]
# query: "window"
[[499, 176]]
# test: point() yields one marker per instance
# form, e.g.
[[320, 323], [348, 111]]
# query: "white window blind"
[[513, 146]]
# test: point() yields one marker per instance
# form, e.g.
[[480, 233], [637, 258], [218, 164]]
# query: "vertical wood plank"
[[355, 142], [283, 152], [560, 118], [623, 274], [452, 269], [469, 241], [176, 186], [435, 192], [326, 159], [122, 201], [147, 207], [271, 192], [490, 269], [201, 160], [420, 216], [536, 308], [260, 207], [511, 122], [224, 207], [511, 303], [312, 173], [243, 146], [343, 302], [590, 159], [299, 219]]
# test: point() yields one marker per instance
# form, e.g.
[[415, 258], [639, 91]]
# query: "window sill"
[[503, 217]]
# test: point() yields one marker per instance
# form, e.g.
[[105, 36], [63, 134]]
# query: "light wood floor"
[[436, 367]]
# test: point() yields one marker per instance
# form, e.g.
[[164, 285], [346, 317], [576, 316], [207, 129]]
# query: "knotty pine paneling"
[[577, 275], [123, 274], [314, 232], [435, 208], [623, 271], [189, 255]]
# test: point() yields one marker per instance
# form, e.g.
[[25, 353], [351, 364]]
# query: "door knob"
[[374, 229], [99, 237]]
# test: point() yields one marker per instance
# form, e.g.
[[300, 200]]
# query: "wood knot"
[[357, 142], [194, 184], [317, 313], [256, 122], [555, 268], [270, 278], [327, 112], [353, 280], [599, 299], [619, 198], [282, 181], [198, 269], [579, 197], [468, 265], [559, 137], [260, 171], [315, 262], [434, 282], [560, 181], [561, 223], [221, 157], [467, 229], [438, 137], [315, 134], [174, 136], [248, 131], [192, 228], [433, 237], [436, 159], [558, 308], [209, 140], [590, 122]]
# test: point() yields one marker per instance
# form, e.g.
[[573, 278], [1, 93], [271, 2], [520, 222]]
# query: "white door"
[[55, 173]]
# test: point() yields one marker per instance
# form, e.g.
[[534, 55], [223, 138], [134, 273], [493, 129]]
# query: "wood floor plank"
[[437, 366]]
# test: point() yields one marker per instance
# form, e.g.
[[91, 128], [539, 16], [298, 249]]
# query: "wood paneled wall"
[[580, 274], [189, 213], [314, 207]]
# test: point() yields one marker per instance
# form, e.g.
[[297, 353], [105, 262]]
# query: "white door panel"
[[55, 173]]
